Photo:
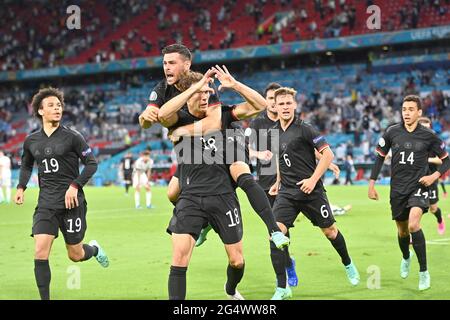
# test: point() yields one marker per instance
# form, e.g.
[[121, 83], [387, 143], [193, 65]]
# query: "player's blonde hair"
[[188, 79], [424, 120], [285, 91]]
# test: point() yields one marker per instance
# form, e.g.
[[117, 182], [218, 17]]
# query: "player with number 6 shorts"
[[299, 187]]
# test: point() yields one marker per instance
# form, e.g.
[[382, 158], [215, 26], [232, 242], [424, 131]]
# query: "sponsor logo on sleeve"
[[382, 143]]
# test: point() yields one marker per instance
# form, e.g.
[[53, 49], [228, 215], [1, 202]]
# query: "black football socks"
[[341, 248], [279, 264], [404, 246], [234, 276], [287, 254], [89, 252], [177, 283], [258, 199], [418, 241], [43, 276], [438, 215]]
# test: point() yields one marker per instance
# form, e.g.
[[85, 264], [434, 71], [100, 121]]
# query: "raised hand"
[[224, 76], [207, 78]]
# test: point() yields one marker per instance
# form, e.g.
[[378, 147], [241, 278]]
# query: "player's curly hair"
[[36, 102], [284, 91], [414, 98], [188, 79]]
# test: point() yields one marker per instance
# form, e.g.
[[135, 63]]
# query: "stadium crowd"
[[29, 42]]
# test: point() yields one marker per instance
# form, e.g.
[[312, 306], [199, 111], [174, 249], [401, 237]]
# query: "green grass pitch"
[[140, 252]]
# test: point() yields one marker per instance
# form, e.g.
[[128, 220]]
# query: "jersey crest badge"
[[153, 96]]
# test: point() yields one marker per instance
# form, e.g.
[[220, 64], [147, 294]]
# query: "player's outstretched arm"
[[26, 168], [167, 114], [255, 103], [334, 168], [212, 122], [308, 185], [372, 193]]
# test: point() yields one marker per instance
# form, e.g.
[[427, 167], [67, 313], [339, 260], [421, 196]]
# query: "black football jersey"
[[127, 164], [261, 125], [410, 152], [162, 93], [201, 163], [57, 158], [297, 160]]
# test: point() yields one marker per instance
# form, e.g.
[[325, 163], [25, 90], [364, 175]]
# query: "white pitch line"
[[441, 240], [439, 243]]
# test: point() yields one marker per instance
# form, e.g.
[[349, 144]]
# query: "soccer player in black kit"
[[411, 145], [62, 205], [177, 60], [434, 162], [126, 166], [299, 187], [207, 194], [266, 176]]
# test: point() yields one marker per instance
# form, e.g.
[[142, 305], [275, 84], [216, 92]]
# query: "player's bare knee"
[[330, 232], [403, 233], [238, 168], [413, 226], [433, 208], [180, 259], [237, 262], [41, 253]]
